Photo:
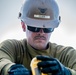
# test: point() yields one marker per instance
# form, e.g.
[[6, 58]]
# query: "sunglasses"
[[35, 29]]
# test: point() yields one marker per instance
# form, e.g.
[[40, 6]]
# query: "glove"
[[52, 65], [18, 69]]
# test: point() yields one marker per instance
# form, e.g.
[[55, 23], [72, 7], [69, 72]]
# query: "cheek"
[[48, 35], [29, 35]]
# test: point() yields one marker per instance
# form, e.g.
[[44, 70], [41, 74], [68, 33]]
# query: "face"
[[38, 40]]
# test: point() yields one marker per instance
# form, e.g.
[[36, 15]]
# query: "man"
[[38, 18]]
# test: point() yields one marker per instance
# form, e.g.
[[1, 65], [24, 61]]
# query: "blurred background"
[[10, 27]]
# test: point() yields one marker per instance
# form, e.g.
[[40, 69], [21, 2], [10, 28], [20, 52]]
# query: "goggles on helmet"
[[35, 29]]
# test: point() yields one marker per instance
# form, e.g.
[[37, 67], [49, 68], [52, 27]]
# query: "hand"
[[52, 65], [18, 69]]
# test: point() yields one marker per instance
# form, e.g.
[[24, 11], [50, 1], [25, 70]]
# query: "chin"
[[40, 41], [40, 46]]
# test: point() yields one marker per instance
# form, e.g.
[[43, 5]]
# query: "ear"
[[23, 26]]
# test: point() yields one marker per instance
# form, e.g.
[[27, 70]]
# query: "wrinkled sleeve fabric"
[[8, 55], [67, 56]]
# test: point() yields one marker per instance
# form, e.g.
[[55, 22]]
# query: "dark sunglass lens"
[[33, 29], [48, 30]]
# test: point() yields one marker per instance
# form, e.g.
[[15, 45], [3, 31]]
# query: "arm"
[[67, 56], [7, 55], [10, 53]]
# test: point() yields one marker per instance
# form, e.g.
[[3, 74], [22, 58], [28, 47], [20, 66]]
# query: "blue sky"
[[10, 27]]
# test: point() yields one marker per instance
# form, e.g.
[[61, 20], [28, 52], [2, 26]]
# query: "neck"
[[40, 48]]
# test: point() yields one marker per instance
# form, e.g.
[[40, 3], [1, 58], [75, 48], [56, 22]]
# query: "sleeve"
[[67, 56], [8, 55]]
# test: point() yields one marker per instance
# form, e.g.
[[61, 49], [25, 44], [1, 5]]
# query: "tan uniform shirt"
[[20, 52]]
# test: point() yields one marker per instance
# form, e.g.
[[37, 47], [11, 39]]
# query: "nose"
[[41, 30]]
